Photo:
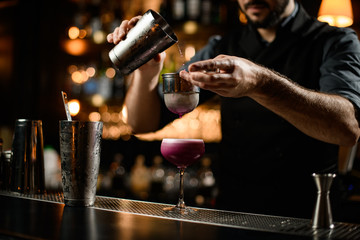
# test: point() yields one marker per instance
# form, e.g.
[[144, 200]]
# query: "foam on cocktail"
[[182, 152]]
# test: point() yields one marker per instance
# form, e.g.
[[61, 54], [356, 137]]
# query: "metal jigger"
[[180, 96], [322, 217]]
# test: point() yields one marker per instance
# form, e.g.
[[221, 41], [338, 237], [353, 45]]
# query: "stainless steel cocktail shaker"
[[150, 36], [80, 149], [28, 157]]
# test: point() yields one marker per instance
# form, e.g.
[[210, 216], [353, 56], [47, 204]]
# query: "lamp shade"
[[336, 12]]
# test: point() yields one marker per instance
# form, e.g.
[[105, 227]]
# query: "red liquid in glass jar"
[[182, 152]]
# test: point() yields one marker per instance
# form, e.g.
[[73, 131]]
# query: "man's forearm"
[[143, 105], [326, 117]]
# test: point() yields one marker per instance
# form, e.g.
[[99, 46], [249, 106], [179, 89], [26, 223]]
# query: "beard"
[[273, 19]]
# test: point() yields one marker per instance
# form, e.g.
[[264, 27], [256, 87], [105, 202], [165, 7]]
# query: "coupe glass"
[[182, 153]]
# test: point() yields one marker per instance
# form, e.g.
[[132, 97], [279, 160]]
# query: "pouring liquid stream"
[[181, 54]]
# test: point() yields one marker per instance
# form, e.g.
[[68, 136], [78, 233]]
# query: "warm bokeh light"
[[82, 33], [339, 21], [191, 27], [79, 77], [115, 117], [72, 68], [75, 47], [189, 52], [203, 122], [97, 100], [73, 32], [76, 77], [74, 107], [99, 37], [91, 71], [110, 72], [114, 125], [242, 17], [94, 116], [105, 117], [336, 12]]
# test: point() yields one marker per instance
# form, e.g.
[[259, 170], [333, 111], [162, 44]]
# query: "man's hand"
[[326, 117], [120, 32], [227, 76]]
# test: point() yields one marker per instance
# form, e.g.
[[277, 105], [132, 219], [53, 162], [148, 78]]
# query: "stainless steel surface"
[[263, 223], [6, 170], [66, 105], [173, 83], [28, 157], [322, 217], [150, 36], [180, 96], [80, 147]]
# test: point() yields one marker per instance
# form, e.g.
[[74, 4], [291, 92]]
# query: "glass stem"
[[181, 203]]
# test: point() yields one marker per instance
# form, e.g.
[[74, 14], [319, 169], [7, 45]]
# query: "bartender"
[[290, 92]]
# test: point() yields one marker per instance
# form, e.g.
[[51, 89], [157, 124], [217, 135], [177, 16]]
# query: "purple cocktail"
[[182, 153]]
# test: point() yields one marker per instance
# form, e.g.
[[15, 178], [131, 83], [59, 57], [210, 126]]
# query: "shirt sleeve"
[[340, 71]]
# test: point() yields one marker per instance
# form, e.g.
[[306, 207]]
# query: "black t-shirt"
[[266, 163]]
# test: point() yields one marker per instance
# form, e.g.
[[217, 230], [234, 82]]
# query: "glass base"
[[183, 211]]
